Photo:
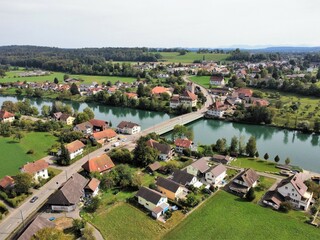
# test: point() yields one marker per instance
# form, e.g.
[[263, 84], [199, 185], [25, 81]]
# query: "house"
[[291, 189], [175, 101], [66, 118], [98, 125], [36, 225], [69, 194], [6, 183], [217, 80], [37, 169], [199, 167], [104, 136], [75, 148], [216, 175], [169, 188], [182, 143], [130, 128], [244, 92], [154, 167], [152, 200], [160, 90], [242, 183], [86, 128], [6, 116], [92, 188], [165, 151], [98, 164], [57, 115], [222, 159], [183, 178], [131, 95], [217, 109], [188, 99]]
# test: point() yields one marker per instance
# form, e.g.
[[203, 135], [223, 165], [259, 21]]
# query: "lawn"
[[201, 80], [13, 76], [264, 184], [175, 57], [225, 216], [256, 164], [13, 152]]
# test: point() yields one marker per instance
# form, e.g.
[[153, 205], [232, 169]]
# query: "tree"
[[266, 156], [64, 158], [87, 233], [55, 80], [234, 145], [277, 159], [257, 154], [18, 91], [81, 118], [287, 161], [65, 77], [74, 89], [285, 206], [45, 110], [121, 155], [250, 196], [89, 112], [251, 146], [93, 205], [181, 131], [143, 154], [18, 135], [221, 145], [140, 90], [23, 182], [318, 74]]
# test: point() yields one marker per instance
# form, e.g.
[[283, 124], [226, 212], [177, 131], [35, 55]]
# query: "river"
[[302, 149]]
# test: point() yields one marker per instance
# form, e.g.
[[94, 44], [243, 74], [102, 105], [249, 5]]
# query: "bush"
[[152, 186], [31, 151], [250, 196], [285, 207]]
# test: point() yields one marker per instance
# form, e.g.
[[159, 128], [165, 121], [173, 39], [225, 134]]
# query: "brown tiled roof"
[[275, 197], [125, 124], [149, 194], [182, 177], [167, 184], [216, 78], [5, 114], [83, 126], [218, 170], [34, 167], [93, 184], [6, 182], [37, 224], [244, 91], [98, 164], [190, 95], [98, 123], [218, 157], [154, 166], [74, 146], [108, 133], [64, 117], [201, 165], [162, 148], [185, 143], [249, 176]]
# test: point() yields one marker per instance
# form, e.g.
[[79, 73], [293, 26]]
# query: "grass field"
[[264, 184], [13, 76], [13, 153], [175, 57], [201, 80], [225, 216], [256, 164]]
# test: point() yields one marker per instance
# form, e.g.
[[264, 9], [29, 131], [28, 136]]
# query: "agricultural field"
[[14, 153], [13, 76], [225, 216], [189, 57], [256, 164]]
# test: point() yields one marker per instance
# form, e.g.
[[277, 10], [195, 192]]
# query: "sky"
[[160, 23]]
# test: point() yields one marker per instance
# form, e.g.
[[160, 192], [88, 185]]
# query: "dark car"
[[107, 149], [34, 199]]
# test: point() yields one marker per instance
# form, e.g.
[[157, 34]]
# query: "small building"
[[131, 95], [98, 164], [216, 175], [199, 167], [242, 183], [86, 128], [75, 148], [66, 198], [98, 125], [217, 80], [104, 136], [182, 143], [6, 183], [222, 159], [184, 178], [169, 188], [152, 200], [153, 167], [165, 150], [160, 90], [244, 92], [6, 117], [92, 188], [130, 128], [37, 169], [66, 118]]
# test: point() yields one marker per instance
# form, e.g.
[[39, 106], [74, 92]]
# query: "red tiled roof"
[[93, 184], [98, 123], [6, 181], [5, 114], [245, 91], [34, 167], [159, 90], [98, 164], [108, 133], [190, 95], [74, 146], [185, 143], [131, 95]]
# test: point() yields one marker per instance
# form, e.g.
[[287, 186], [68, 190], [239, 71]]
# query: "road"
[[16, 216]]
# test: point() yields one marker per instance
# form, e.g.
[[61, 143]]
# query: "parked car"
[[52, 218], [35, 198], [107, 149], [116, 144]]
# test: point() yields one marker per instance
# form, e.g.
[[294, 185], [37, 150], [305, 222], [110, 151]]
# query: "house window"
[[292, 189], [286, 187], [147, 204]]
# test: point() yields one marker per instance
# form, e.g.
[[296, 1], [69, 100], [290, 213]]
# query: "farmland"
[[14, 153], [189, 57]]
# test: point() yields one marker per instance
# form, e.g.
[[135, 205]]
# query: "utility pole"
[[22, 218]]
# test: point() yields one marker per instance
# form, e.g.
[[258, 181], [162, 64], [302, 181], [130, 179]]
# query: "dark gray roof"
[[37, 224], [218, 170], [249, 176], [167, 184], [70, 192], [149, 195], [182, 177]]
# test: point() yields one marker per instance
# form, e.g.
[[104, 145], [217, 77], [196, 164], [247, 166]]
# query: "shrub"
[[31, 151], [285, 207], [250, 195]]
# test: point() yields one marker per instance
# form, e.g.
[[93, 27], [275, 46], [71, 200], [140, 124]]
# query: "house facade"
[[6, 117], [165, 150], [169, 188], [188, 99], [38, 169], [242, 183], [86, 128], [75, 148], [199, 167], [216, 175], [217, 80], [217, 109], [182, 143], [130, 128], [107, 135], [92, 188]]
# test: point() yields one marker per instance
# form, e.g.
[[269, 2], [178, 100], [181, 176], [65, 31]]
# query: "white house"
[[216, 175], [188, 99], [128, 128], [217, 109], [6, 116], [199, 167], [165, 150], [182, 144], [152, 200], [86, 128], [184, 178], [92, 188], [38, 169], [75, 148], [217, 80]]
